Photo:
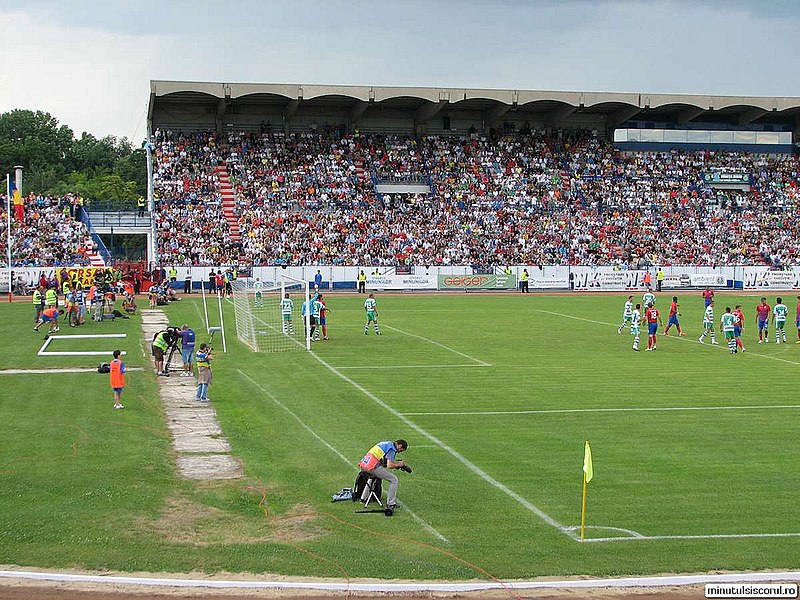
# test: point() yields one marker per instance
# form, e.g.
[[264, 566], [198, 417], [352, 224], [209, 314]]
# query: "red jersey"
[[739, 317], [652, 315], [762, 310], [673, 309], [708, 294]]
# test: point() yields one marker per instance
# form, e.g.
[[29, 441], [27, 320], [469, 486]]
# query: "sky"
[[89, 63]]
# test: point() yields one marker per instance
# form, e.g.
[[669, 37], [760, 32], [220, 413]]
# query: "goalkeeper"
[[380, 458]]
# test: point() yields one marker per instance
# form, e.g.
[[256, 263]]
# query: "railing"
[[83, 216], [120, 218]]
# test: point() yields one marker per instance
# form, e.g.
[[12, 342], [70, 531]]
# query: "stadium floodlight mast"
[[269, 315]]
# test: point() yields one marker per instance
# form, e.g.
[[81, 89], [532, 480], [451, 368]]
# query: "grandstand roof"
[[212, 104]]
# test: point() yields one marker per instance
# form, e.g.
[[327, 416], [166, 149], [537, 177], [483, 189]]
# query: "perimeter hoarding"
[[477, 282]]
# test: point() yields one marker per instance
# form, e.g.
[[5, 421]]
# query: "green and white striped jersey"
[[728, 321], [708, 317], [370, 304], [287, 305], [780, 311], [628, 310]]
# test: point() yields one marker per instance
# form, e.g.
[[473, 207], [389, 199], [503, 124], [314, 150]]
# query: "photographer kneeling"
[[377, 462]]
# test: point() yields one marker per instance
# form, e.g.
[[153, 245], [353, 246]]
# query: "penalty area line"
[[431, 366], [435, 343], [689, 339], [454, 453], [427, 526]]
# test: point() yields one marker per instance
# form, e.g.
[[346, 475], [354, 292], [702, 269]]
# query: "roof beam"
[[493, 114], [357, 110], [553, 117], [751, 114], [690, 113], [623, 115], [291, 109], [222, 106], [427, 111]]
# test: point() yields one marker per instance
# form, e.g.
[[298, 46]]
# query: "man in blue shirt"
[[187, 350]]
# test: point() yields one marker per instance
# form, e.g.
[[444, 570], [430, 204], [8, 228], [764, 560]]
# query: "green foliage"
[[107, 169]]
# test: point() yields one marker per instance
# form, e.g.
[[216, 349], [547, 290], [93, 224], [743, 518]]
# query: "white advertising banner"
[[754, 279], [549, 283], [599, 280], [401, 282], [672, 282], [708, 280]]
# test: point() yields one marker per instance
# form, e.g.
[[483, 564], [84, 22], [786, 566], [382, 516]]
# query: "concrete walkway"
[[201, 448]]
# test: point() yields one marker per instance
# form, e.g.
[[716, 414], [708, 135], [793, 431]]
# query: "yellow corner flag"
[[587, 462], [588, 473]]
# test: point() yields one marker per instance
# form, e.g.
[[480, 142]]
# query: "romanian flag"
[[16, 198], [588, 469]]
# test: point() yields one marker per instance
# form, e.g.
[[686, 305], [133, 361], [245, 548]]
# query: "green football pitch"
[[695, 450]]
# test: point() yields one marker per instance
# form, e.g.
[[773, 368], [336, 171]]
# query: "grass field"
[[695, 451]]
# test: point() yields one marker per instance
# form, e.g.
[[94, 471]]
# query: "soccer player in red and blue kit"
[[762, 319], [738, 326], [797, 320], [653, 318], [673, 317], [708, 296]]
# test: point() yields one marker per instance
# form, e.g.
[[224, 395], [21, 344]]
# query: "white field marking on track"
[[454, 453], [601, 410], [671, 337], [413, 515], [435, 343], [432, 366], [429, 586]]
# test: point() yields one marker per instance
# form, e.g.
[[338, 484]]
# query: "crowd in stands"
[[522, 197], [50, 233]]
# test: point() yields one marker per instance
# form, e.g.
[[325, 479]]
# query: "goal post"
[[269, 314]]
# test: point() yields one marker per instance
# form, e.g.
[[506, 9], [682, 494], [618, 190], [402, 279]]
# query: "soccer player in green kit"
[[371, 307]]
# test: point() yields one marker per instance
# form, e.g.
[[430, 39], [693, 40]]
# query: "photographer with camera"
[[163, 341], [377, 462]]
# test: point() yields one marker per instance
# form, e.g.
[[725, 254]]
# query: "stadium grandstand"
[[264, 174]]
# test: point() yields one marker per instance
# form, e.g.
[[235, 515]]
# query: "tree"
[[34, 140]]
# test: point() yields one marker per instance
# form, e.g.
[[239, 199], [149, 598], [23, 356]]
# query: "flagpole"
[[8, 232], [583, 509]]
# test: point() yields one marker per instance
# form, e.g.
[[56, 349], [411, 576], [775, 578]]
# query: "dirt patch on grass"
[[185, 521]]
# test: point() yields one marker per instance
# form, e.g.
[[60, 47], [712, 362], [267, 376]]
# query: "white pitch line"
[[435, 343], [431, 366], [685, 339], [454, 453], [721, 536], [48, 371], [413, 515], [600, 410]]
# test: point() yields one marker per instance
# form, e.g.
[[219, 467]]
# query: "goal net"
[[269, 314]]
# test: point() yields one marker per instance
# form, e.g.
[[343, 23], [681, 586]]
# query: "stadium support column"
[[152, 244]]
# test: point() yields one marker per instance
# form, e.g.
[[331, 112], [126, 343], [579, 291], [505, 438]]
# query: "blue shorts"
[[762, 324], [652, 328], [708, 302], [797, 323], [737, 330], [187, 354], [672, 321], [322, 321], [47, 319], [118, 389]]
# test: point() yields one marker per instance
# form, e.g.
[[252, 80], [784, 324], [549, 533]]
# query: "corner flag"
[[588, 469]]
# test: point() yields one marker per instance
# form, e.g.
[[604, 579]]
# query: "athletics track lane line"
[[413, 515]]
